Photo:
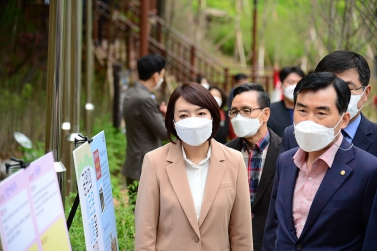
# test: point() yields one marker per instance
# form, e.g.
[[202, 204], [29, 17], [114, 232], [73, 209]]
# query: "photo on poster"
[[114, 245], [102, 199]]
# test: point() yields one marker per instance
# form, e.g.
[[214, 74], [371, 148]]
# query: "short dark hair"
[[321, 80], [239, 77], [150, 64], [283, 74], [224, 97], [199, 79], [263, 98], [197, 95], [340, 61]]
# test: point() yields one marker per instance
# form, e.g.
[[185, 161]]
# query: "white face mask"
[[219, 101], [312, 137], [159, 83], [194, 131], [288, 92], [245, 127], [352, 106], [205, 85]]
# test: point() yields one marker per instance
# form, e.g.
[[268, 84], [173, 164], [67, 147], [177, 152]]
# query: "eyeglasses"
[[244, 112], [356, 89]]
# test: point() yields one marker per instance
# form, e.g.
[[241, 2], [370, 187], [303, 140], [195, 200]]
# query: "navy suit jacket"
[[370, 243], [365, 137], [339, 214], [279, 119]]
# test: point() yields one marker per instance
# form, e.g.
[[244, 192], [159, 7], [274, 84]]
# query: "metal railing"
[[185, 60]]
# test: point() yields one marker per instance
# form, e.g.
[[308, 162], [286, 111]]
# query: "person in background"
[[282, 111], [323, 190], [260, 148], [143, 117], [354, 70], [239, 79], [219, 95], [203, 81], [193, 192]]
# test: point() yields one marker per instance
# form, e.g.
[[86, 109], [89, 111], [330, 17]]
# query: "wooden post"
[[144, 27], [128, 48], [254, 48], [267, 84], [192, 62], [226, 77], [159, 32]]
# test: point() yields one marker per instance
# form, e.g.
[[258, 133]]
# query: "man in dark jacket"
[[259, 145], [282, 111], [145, 127]]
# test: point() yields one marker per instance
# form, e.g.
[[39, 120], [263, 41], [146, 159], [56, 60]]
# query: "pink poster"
[[31, 209]]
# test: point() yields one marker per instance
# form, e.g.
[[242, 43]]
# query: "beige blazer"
[[165, 215]]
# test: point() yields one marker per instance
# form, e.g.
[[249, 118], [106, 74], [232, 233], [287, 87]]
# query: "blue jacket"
[[370, 242], [340, 211]]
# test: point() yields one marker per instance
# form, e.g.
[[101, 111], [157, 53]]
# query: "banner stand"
[[73, 211], [20, 164], [77, 199]]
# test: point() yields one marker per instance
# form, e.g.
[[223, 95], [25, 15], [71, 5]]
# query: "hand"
[[163, 108]]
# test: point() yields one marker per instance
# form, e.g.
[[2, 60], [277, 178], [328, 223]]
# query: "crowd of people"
[[242, 173]]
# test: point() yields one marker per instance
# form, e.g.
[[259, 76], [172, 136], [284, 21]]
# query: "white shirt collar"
[[201, 162]]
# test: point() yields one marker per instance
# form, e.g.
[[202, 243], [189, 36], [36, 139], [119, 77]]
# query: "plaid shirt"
[[254, 160]]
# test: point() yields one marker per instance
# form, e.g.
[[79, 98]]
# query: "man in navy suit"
[[370, 243], [354, 70], [323, 190]]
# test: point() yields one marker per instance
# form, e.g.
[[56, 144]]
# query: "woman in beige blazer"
[[193, 192]]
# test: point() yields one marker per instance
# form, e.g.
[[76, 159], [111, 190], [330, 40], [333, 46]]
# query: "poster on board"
[[31, 209], [94, 186]]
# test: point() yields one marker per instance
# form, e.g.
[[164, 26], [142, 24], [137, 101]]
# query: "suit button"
[[196, 239], [298, 247], [252, 215]]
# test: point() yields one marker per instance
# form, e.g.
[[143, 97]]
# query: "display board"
[[94, 187], [31, 209]]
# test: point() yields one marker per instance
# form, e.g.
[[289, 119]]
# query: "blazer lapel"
[[178, 178], [269, 167], [289, 181], [361, 139], [215, 175], [332, 181]]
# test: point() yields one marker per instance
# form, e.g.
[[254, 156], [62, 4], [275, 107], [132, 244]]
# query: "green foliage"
[[37, 151], [20, 107], [76, 231], [124, 219], [132, 194]]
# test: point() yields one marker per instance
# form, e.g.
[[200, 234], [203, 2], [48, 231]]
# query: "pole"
[[89, 68], [54, 87], [76, 40], [144, 27], [254, 38], [66, 125]]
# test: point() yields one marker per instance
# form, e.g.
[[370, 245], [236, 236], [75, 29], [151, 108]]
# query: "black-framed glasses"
[[356, 89], [244, 112]]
